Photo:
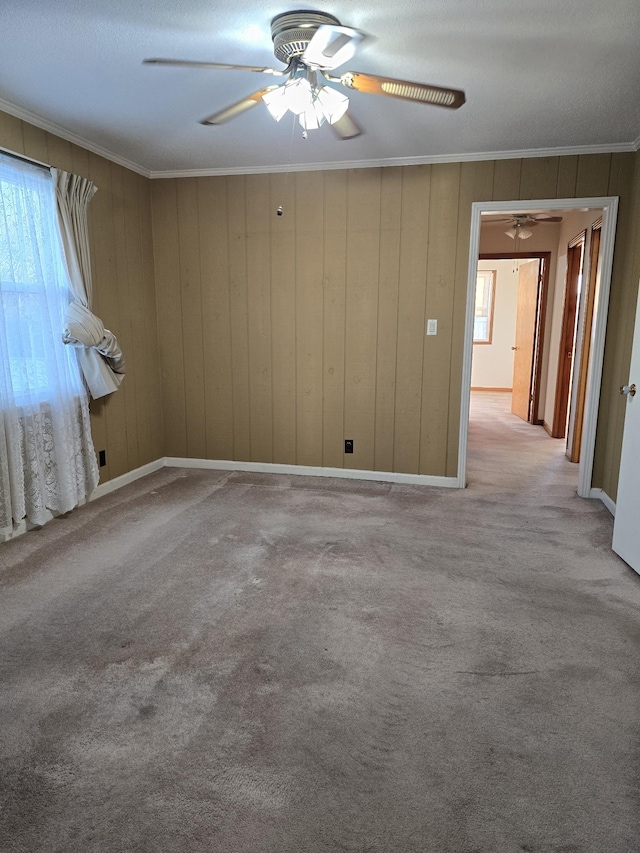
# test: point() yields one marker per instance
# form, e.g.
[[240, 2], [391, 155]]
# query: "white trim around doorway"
[[609, 205]]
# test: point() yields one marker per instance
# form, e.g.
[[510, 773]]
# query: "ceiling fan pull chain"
[[280, 208]]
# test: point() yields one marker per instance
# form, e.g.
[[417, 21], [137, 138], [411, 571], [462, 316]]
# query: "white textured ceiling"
[[538, 75]]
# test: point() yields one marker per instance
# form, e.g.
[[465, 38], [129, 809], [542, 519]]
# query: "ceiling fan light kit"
[[301, 95], [522, 223], [313, 43], [518, 231]]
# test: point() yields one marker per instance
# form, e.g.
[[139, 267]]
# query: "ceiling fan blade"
[[331, 46], [346, 128], [187, 63], [420, 92], [542, 218], [239, 107]]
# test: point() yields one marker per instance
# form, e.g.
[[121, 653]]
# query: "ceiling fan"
[[521, 223], [311, 45]]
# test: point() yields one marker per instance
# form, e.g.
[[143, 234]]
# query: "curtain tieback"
[[84, 329]]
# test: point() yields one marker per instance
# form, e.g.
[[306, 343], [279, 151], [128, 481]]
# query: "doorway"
[[600, 306], [523, 313]]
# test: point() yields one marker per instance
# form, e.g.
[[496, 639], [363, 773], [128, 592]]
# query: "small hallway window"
[[483, 319]]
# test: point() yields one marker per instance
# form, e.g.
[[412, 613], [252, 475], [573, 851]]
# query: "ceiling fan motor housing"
[[292, 31]]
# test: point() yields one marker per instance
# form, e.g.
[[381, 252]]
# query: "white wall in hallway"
[[492, 365]]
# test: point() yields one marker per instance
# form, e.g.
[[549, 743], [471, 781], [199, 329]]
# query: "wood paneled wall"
[[625, 182], [127, 424], [283, 335]]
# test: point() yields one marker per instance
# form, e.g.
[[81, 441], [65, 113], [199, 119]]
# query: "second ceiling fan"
[[521, 223]]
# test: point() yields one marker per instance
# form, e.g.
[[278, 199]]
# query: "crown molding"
[[58, 130], [613, 148], [51, 127]]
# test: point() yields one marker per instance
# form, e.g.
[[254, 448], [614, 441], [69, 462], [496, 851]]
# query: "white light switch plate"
[[432, 327]]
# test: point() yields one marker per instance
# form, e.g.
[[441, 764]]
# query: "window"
[[34, 290], [47, 459], [483, 319]]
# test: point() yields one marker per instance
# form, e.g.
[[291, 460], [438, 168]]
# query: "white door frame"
[[609, 205]]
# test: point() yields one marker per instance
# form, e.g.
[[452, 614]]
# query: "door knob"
[[628, 389], [514, 347]]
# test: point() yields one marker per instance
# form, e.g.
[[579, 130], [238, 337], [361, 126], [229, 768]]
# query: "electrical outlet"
[[348, 445], [102, 458]]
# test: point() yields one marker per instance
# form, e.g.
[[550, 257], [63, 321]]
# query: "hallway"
[[509, 454]]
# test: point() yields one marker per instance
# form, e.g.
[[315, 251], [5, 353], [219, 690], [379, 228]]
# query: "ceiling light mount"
[[292, 31]]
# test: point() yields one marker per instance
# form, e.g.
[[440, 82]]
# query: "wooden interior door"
[[575, 255], [575, 438], [526, 322]]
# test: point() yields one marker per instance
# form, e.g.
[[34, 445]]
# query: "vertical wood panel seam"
[[456, 272], [377, 303], [424, 320], [345, 287], [92, 239], [232, 384], [346, 305], [138, 241], [269, 280], [295, 308], [204, 379], [152, 220], [520, 174], [105, 418], [273, 421], [395, 373], [147, 334], [184, 359], [322, 327], [127, 244], [375, 372]]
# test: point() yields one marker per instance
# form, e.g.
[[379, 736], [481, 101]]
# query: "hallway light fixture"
[[518, 231]]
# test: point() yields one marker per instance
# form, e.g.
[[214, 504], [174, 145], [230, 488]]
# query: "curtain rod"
[[24, 159]]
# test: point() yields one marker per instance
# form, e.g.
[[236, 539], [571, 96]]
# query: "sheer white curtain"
[[47, 459], [98, 351]]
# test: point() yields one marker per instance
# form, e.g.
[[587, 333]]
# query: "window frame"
[[491, 275], [26, 394]]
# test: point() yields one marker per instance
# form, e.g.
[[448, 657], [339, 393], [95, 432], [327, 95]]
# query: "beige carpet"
[[268, 664]]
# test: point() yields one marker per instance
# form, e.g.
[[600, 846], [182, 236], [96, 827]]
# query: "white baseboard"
[[125, 479], [101, 490], [274, 468], [313, 471], [254, 467], [601, 495]]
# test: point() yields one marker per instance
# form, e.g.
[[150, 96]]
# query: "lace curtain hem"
[[44, 470]]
